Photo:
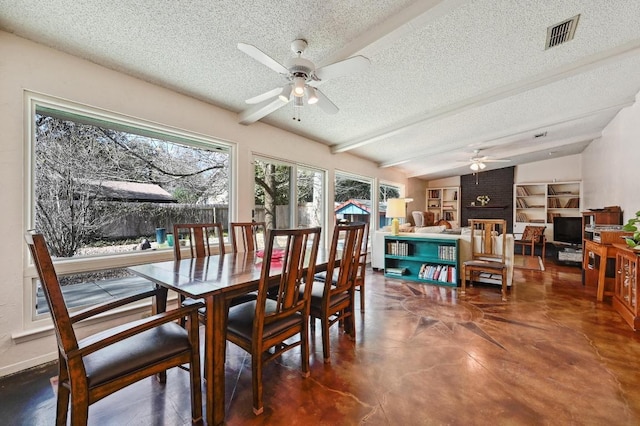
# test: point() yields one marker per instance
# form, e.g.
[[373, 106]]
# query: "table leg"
[[215, 341]]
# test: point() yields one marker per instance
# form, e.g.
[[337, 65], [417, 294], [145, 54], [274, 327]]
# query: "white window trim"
[[32, 322]]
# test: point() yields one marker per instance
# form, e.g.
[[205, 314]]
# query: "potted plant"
[[633, 241]]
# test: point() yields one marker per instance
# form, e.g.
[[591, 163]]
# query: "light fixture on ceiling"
[[312, 96], [286, 93], [299, 84], [477, 165]]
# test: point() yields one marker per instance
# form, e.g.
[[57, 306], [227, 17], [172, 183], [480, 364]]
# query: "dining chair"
[[103, 363], [361, 268], [488, 252], [362, 265], [332, 300], [244, 235], [266, 323], [198, 236], [531, 236]]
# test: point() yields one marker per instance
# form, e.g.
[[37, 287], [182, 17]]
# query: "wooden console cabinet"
[[598, 261], [625, 298]]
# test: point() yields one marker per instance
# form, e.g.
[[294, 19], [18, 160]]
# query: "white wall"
[[612, 164], [561, 169], [33, 67]]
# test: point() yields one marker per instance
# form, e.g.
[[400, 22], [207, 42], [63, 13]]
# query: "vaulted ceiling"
[[445, 77]]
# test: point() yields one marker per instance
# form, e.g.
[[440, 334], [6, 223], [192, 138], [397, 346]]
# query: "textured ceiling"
[[446, 77]]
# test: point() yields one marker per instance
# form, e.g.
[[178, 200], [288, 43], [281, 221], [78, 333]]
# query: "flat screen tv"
[[567, 230]]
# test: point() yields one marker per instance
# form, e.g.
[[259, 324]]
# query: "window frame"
[[293, 186], [35, 101]]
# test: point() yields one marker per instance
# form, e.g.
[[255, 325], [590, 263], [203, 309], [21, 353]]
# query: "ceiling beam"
[[500, 93], [385, 34], [493, 141]]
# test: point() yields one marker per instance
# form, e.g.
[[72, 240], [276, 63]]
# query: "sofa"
[[464, 235]]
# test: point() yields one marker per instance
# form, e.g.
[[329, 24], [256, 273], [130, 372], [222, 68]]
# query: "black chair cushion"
[[317, 292], [240, 320], [322, 276], [133, 353], [235, 301]]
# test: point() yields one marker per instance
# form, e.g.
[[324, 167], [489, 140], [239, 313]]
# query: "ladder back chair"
[[199, 239], [244, 235], [272, 321], [199, 236], [332, 300], [101, 364], [531, 236], [362, 265], [488, 252]]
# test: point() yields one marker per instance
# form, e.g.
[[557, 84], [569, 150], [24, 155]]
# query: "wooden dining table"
[[216, 279]]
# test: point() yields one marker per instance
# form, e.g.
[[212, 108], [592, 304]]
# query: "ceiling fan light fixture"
[[474, 166], [285, 95], [482, 166], [298, 86], [312, 96]]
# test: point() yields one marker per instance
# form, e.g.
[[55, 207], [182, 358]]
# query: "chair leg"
[[256, 381], [504, 285], [325, 340], [63, 393], [79, 405], [463, 276], [304, 348], [362, 297]]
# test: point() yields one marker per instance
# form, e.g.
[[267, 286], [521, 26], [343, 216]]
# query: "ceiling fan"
[[302, 81], [477, 162]]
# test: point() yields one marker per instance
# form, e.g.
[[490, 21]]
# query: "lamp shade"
[[286, 93], [396, 207]]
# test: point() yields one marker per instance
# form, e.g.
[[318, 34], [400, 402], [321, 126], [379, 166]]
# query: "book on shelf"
[[444, 274], [398, 248], [573, 203], [396, 271], [521, 217]]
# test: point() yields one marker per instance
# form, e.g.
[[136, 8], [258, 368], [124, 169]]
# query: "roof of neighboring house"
[[352, 207], [130, 191]]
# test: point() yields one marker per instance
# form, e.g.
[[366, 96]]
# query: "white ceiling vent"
[[562, 32]]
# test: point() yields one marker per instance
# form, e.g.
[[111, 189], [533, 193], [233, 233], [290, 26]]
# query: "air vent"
[[562, 32]]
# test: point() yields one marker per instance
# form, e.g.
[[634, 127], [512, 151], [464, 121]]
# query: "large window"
[[104, 185], [386, 192], [353, 198], [277, 183]]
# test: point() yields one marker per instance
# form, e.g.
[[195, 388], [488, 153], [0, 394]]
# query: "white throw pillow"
[[430, 229]]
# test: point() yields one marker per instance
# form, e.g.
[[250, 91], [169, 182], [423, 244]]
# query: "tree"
[[72, 159], [272, 189]]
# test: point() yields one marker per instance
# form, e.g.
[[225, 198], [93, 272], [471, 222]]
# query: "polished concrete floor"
[[423, 356]]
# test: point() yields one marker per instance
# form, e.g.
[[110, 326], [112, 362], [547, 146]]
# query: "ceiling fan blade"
[[495, 161], [352, 65], [263, 58], [256, 112], [263, 97], [325, 103]]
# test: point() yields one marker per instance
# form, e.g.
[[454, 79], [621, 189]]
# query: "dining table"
[[215, 279]]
